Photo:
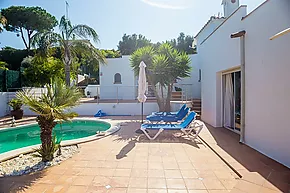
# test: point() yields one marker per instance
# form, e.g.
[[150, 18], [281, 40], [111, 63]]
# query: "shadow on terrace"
[[257, 170]]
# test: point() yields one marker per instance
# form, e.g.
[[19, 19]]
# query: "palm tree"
[[53, 105], [3, 21], [69, 44], [165, 65]]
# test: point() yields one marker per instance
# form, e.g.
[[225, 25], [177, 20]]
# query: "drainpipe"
[[241, 35]]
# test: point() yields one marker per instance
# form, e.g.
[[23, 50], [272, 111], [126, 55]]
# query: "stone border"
[[115, 126]]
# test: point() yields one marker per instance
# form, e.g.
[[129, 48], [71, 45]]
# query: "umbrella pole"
[[142, 107], [139, 130]]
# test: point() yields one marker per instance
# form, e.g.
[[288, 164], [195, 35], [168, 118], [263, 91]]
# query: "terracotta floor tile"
[[176, 191], [158, 183], [37, 188], [156, 173], [110, 164], [223, 174], [185, 165], [197, 191], [117, 190], [194, 184], [172, 174], [155, 165], [77, 189], [125, 165], [73, 171], [138, 182], [218, 191], [229, 183], [135, 190], [267, 190], [122, 172], [106, 172], [140, 165], [101, 181], [97, 189], [89, 172], [170, 165], [139, 172], [189, 173], [247, 186], [120, 182], [213, 184], [175, 184], [65, 179], [156, 191], [57, 189], [83, 180], [206, 174]]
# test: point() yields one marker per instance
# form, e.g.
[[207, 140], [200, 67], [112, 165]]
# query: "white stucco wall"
[[191, 85], [93, 89], [208, 29], [267, 80], [3, 103], [267, 76], [109, 90], [218, 53]]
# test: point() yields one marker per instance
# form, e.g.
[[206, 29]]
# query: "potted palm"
[[16, 111]]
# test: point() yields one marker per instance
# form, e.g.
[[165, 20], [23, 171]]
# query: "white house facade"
[[118, 81], [245, 76]]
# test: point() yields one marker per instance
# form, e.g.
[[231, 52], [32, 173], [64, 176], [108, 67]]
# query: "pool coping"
[[115, 126]]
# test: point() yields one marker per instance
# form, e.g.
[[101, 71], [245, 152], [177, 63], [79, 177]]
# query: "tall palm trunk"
[[46, 125], [67, 63]]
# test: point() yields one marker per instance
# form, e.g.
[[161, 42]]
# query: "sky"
[[158, 20]]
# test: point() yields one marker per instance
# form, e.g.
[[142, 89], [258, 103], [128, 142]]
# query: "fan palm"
[[69, 44], [3, 21], [55, 104], [164, 66]]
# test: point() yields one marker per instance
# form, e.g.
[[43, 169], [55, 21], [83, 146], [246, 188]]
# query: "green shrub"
[[15, 104]]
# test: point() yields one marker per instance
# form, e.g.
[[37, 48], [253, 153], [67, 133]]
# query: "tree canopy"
[[27, 21], [165, 65], [130, 43], [68, 43]]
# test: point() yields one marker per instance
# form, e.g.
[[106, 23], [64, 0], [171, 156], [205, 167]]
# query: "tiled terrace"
[[127, 162]]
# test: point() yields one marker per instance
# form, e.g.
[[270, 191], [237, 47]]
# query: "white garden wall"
[[89, 109], [3, 104], [267, 80]]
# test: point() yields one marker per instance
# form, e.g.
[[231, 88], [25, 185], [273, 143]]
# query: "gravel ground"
[[25, 164]]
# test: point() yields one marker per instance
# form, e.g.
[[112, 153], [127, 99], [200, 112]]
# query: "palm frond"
[[55, 102], [85, 32], [84, 46], [65, 27]]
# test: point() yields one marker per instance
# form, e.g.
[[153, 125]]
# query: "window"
[[199, 75], [117, 78]]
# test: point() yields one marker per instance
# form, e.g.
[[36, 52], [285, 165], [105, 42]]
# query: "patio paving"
[[128, 162]]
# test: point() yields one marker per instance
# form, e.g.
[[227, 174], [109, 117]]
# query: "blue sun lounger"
[[187, 127], [169, 113], [168, 118]]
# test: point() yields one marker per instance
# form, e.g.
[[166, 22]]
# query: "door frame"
[[230, 71]]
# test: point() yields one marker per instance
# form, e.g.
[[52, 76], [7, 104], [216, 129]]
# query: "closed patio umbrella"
[[142, 88]]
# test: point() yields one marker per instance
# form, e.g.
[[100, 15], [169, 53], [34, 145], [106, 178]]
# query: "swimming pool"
[[24, 136]]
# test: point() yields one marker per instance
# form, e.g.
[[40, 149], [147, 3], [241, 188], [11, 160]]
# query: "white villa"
[[244, 75]]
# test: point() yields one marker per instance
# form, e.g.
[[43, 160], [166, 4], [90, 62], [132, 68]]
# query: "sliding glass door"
[[232, 101]]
